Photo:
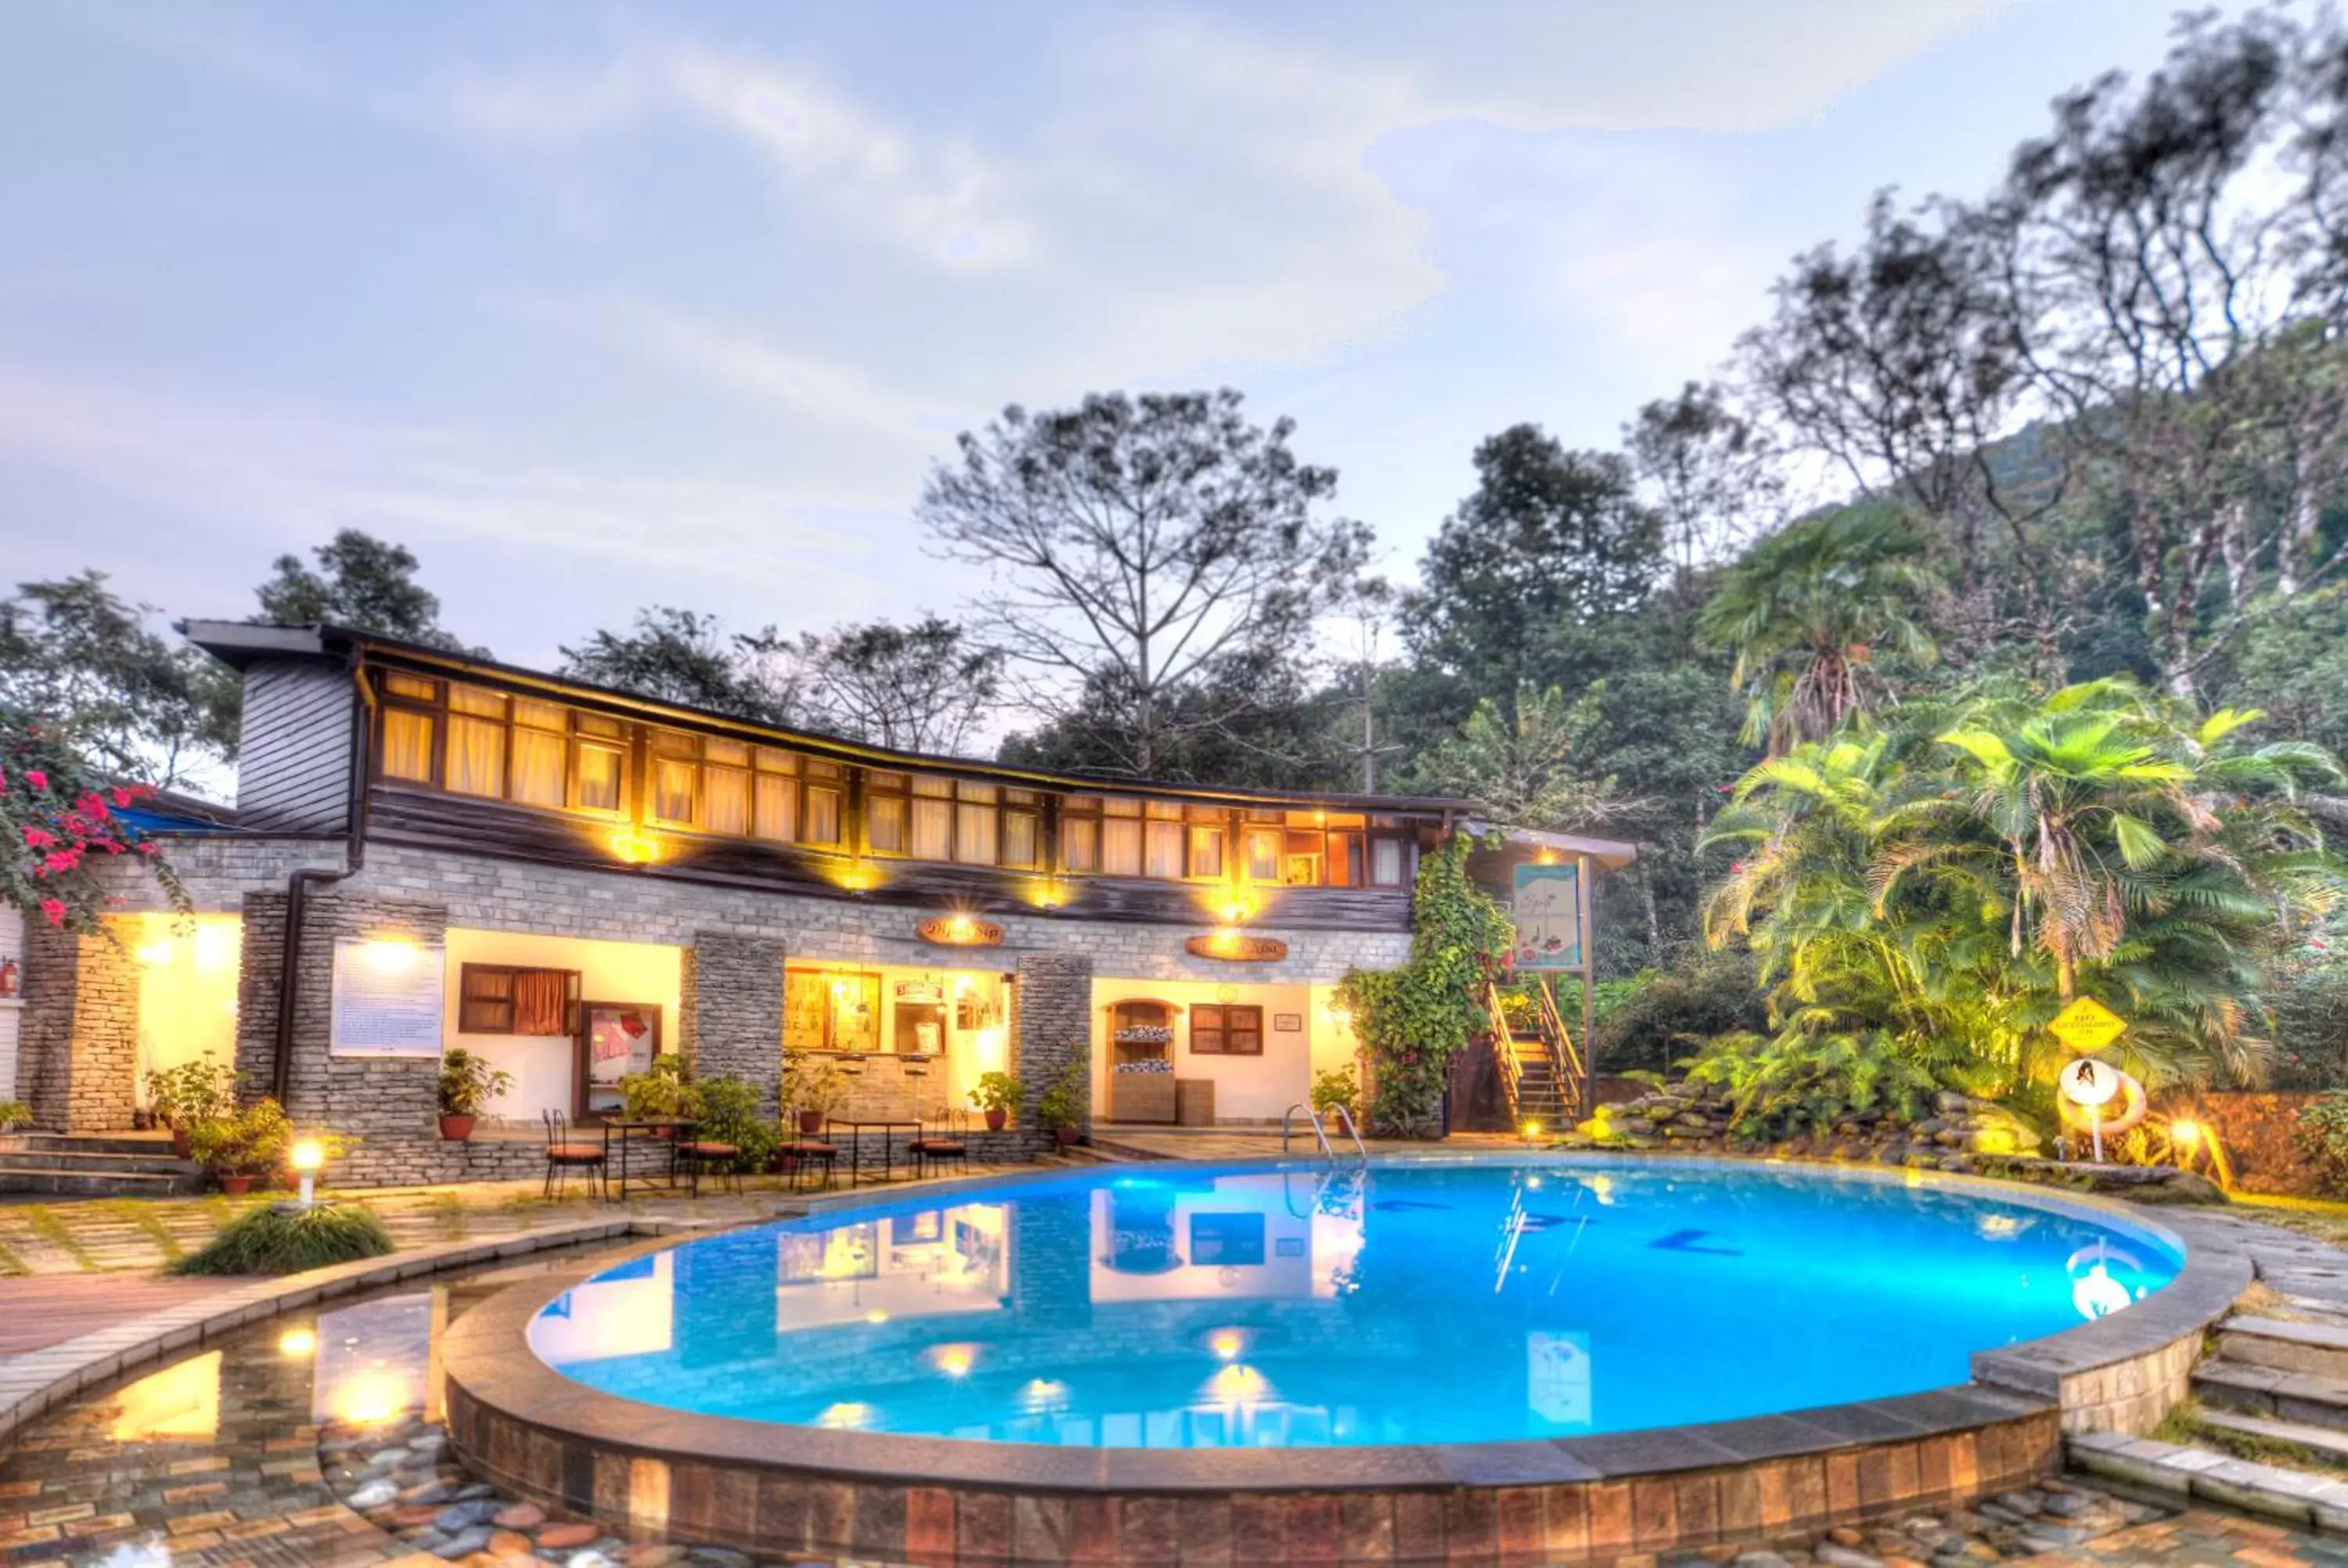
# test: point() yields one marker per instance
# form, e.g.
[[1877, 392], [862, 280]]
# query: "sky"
[[595, 306]]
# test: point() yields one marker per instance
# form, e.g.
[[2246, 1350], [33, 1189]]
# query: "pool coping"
[[539, 1431]]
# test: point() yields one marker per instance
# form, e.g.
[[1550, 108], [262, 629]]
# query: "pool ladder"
[[1320, 1132]]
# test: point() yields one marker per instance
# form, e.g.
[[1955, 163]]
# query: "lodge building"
[[568, 880]]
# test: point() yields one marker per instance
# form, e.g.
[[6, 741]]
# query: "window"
[[1121, 837], [974, 823], [831, 1009], [1224, 1029], [407, 749], [819, 817], [1259, 854], [597, 768], [1080, 843], [775, 791], [1387, 862], [1162, 842], [1207, 849], [498, 998], [495, 745]]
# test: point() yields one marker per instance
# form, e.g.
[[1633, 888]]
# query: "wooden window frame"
[[466, 1001], [1216, 1019]]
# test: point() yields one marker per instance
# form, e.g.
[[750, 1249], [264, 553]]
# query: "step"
[[94, 1185], [2272, 1391], [2327, 1444], [155, 1164], [2317, 1348], [90, 1143], [2288, 1496]]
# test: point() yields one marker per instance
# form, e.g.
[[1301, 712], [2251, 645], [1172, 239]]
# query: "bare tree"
[[926, 687], [1710, 473], [1142, 547]]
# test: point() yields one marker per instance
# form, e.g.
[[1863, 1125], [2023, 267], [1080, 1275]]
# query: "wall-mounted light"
[[391, 955], [630, 847], [155, 955]]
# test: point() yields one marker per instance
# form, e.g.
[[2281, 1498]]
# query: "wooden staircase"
[[1540, 1072]]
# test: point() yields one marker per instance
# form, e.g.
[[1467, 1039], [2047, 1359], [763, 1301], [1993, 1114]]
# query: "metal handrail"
[[1566, 1061], [1351, 1132], [1504, 1045], [1318, 1135]]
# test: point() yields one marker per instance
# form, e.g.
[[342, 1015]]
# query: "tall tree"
[[1519, 761], [1807, 611], [1141, 551], [1895, 363], [680, 656], [926, 687], [361, 582], [1524, 584], [1710, 473], [2170, 255], [130, 703]]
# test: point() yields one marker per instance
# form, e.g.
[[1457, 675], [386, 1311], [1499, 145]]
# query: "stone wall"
[[1052, 1027], [733, 1022], [78, 1049]]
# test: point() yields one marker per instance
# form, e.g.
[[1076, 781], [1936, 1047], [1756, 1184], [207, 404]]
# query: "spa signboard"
[[1545, 906]]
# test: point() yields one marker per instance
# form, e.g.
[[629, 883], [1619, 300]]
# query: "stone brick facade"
[[78, 1051], [1052, 1025], [733, 1022]]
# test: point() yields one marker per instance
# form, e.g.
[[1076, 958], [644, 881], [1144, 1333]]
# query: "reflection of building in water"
[[1162, 1240], [626, 1310], [180, 1401], [908, 1266], [373, 1360]]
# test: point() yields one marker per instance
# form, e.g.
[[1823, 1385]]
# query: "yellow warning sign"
[[2087, 1025]]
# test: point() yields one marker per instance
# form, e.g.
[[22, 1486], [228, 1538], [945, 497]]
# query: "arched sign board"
[[1236, 947], [959, 931]]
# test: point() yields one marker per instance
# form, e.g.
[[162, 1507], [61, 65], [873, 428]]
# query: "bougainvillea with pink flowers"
[[61, 827]]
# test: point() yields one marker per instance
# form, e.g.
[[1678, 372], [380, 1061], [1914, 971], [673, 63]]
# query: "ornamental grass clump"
[[286, 1238]]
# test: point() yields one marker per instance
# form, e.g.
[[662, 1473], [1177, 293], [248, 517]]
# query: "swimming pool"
[[1416, 1301]]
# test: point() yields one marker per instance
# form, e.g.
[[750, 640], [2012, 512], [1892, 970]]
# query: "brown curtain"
[[542, 1002]]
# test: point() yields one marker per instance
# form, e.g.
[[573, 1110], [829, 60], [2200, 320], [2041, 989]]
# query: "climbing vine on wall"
[[1415, 1020]]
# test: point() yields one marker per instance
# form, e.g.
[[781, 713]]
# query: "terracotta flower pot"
[[1066, 1137], [183, 1144], [810, 1122], [456, 1128], [236, 1187], [995, 1120]]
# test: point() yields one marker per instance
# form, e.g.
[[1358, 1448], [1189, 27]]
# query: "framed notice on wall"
[[387, 999], [1546, 913]]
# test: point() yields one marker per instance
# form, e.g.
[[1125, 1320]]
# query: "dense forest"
[[1977, 639]]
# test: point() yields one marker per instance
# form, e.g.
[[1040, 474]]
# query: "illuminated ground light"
[[297, 1343], [1228, 1344], [1041, 1395], [1236, 1385], [1531, 1130], [955, 1360], [876, 1315]]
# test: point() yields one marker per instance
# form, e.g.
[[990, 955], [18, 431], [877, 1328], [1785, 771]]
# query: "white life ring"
[[2129, 1116]]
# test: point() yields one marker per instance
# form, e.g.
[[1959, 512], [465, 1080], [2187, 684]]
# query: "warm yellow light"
[[155, 955], [955, 1360], [1235, 1384], [392, 954], [1046, 895], [297, 1342], [371, 1397], [853, 1416], [308, 1154], [876, 1315], [2185, 1131], [1234, 911], [634, 848], [1227, 1343], [1531, 1130], [960, 929], [1545, 857]]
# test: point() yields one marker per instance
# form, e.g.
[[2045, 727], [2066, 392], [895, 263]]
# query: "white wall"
[[608, 973], [1247, 1088]]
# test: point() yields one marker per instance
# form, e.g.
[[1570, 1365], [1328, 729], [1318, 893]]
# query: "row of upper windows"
[[469, 740]]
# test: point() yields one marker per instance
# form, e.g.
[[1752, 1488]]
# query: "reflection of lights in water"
[[1532, 1184], [876, 1315], [955, 1360], [297, 1342], [1228, 1344], [373, 1396], [1603, 1188], [179, 1402], [1998, 1227], [855, 1415], [2097, 1294], [1044, 1394], [1236, 1385]]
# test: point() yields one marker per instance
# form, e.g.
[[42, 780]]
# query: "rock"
[[509, 1543], [657, 1555], [2040, 1536], [2024, 1502], [409, 1515], [477, 1489], [1758, 1560], [430, 1492], [463, 1544], [459, 1516], [373, 1495], [589, 1559], [1835, 1556], [2065, 1505], [1844, 1535], [563, 1537], [1950, 1102]]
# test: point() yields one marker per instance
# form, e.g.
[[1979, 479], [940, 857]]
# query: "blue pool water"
[[1412, 1302]]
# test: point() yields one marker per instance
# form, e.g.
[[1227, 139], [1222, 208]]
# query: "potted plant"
[[658, 1094], [1062, 1106], [813, 1088], [998, 1094], [727, 1112], [1334, 1088], [237, 1148], [185, 1097], [467, 1083], [14, 1113]]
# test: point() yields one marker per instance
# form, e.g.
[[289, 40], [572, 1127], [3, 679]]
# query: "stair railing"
[[1504, 1047], [1320, 1137], [1565, 1060], [1360, 1148]]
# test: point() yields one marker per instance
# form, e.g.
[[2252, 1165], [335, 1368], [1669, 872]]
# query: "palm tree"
[[1807, 609]]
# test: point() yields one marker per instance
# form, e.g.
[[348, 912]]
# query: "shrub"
[[997, 1091], [2323, 1138], [247, 1143], [1063, 1105], [14, 1113], [284, 1238], [729, 1114], [1336, 1087], [1663, 1014], [468, 1082], [812, 1083], [661, 1091], [193, 1093], [1793, 1083]]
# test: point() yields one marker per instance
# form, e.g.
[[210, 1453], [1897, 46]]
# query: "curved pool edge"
[[922, 1499]]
